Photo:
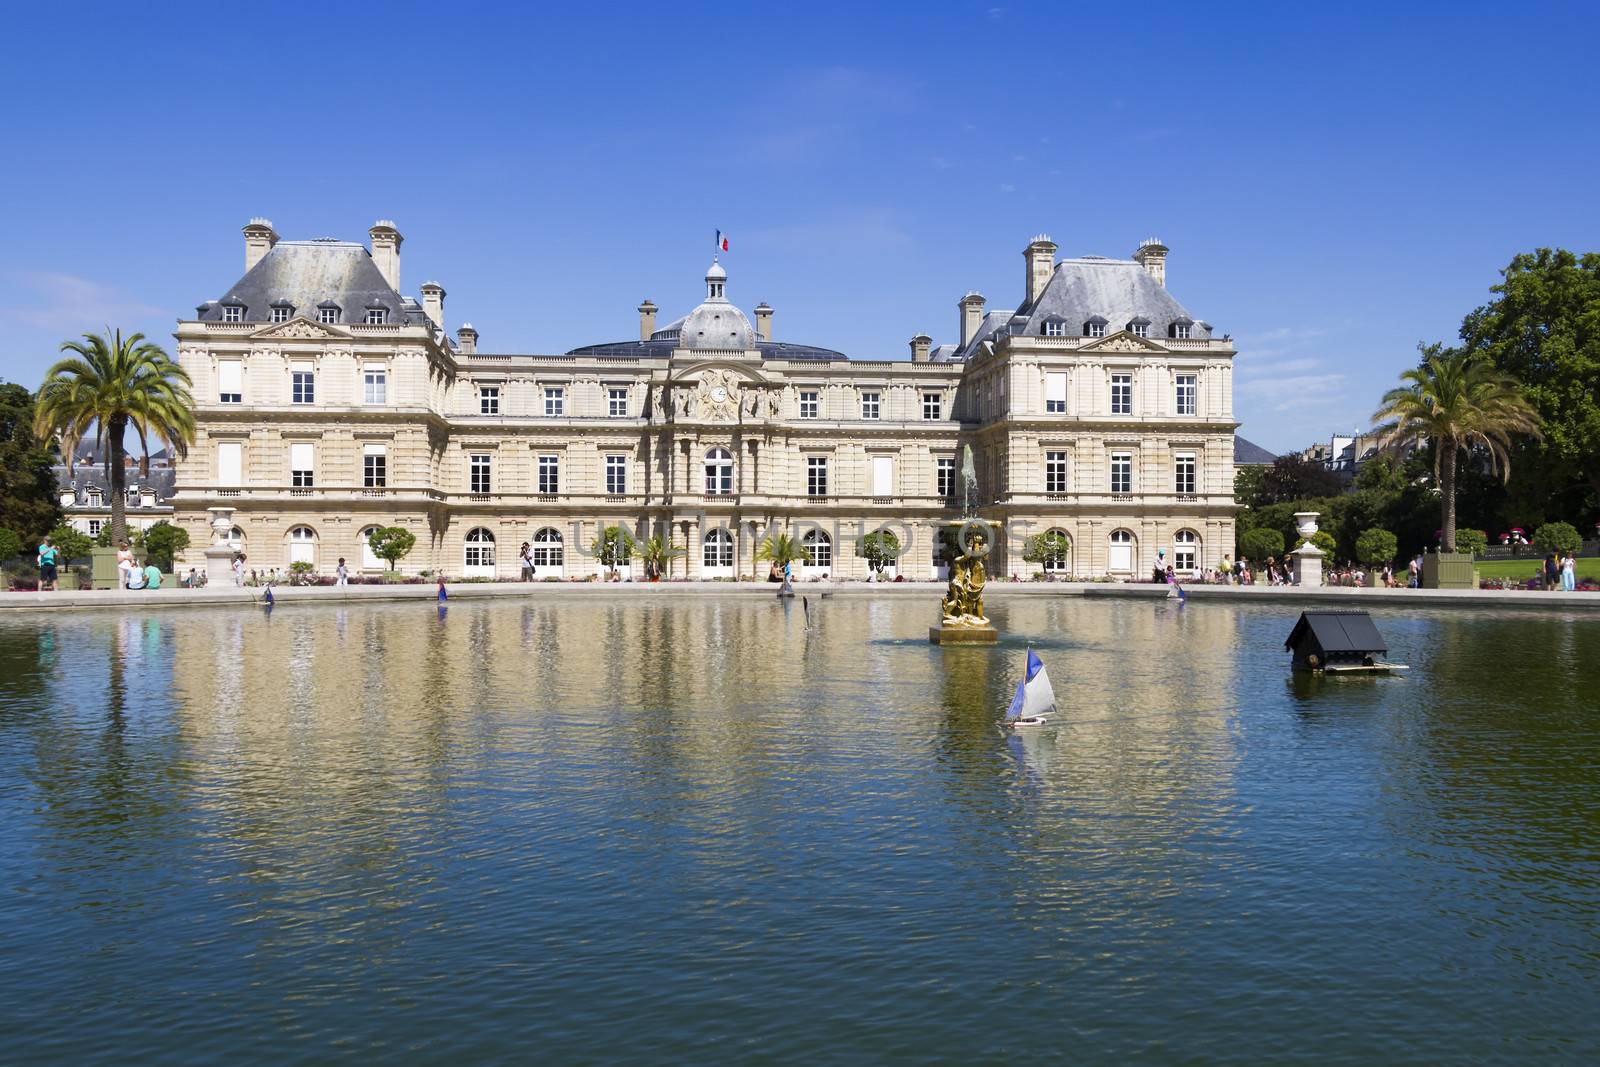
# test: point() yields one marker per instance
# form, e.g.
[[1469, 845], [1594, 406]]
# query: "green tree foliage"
[[106, 386], [163, 542], [28, 495], [1325, 542], [1473, 541], [1544, 328], [658, 553], [1558, 537], [1247, 485], [1456, 400], [1376, 547], [10, 544], [780, 548], [880, 549], [1052, 546], [613, 546], [135, 538], [391, 543], [1260, 543], [1383, 474], [71, 543], [1292, 478]]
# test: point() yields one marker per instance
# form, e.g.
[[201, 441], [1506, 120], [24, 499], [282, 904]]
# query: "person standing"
[[1569, 573], [125, 567], [1225, 572], [526, 557], [1552, 571], [238, 570], [47, 566], [343, 574]]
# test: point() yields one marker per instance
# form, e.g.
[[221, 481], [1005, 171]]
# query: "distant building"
[[1343, 453], [1250, 454], [85, 490]]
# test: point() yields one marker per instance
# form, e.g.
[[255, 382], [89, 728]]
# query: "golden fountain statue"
[[962, 619]]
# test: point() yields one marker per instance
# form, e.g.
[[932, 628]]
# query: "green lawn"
[[1527, 568]]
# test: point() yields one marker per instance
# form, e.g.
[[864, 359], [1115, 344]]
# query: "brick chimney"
[[259, 237], [763, 322], [647, 320], [921, 347], [1152, 256], [971, 307], [467, 339], [386, 241], [1040, 256], [433, 302]]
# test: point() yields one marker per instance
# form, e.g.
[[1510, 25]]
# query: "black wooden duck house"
[[1338, 641]]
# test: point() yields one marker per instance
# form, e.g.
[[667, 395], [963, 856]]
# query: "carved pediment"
[[716, 398], [298, 328], [1122, 341]]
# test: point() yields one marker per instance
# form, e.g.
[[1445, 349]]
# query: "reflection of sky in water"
[[784, 828]]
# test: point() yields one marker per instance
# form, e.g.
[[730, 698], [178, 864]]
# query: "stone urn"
[[1308, 557], [219, 554], [1305, 524]]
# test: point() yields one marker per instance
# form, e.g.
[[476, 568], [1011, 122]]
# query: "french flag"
[[722, 242]]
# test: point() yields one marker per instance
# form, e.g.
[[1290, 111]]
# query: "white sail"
[[1037, 696]]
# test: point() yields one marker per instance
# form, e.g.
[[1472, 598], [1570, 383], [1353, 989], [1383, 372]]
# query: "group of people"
[[1561, 573]]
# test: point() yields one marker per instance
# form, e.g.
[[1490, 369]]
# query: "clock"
[[719, 394]]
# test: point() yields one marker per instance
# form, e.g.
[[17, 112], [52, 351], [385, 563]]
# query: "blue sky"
[[1335, 185]]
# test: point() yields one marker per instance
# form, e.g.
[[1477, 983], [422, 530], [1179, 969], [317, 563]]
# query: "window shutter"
[[230, 376], [300, 456], [882, 476], [229, 465], [371, 450], [1055, 386]]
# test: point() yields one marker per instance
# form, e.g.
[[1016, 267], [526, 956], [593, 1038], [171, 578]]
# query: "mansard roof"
[[1110, 290], [1248, 453], [312, 274]]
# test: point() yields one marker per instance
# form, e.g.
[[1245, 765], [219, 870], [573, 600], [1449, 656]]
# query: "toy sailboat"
[[1033, 698]]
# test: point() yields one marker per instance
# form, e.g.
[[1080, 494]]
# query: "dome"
[[716, 272], [716, 324]]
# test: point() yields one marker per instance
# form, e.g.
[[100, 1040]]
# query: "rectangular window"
[[882, 475], [1094, 329], [328, 315], [869, 405], [376, 316], [303, 387], [1139, 329], [94, 527], [281, 314], [1122, 472], [230, 382], [1122, 394], [375, 386], [945, 477], [1055, 328], [617, 403], [374, 466], [480, 468], [549, 474], [1183, 474], [489, 400], [301, 455], [1186, 394], [230, 467], [931, 406], [1055, 472], [233, 313], [1055, 393], [555, 400], [808, 404], [616, 475], [1181, 330], [816, 476]]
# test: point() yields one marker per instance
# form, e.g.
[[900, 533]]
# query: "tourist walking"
[[1414, 572], [238, 570], [1552, 572], [526, 557], [1569, 573], [343, 574], [1225, 572], [47, 566]]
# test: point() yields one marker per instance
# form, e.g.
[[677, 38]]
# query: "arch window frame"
[[548, 550], [716, 553], [1186, 554], [302, 544], [478, 553], [1061, 565], [718, 466], [1122, 550], [819, 546]]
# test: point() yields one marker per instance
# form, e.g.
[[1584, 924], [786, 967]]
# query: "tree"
[[10, 544], [1293, 478], [135, 538], [106, 387], [1383, 473], [782, 549], [391, 543], [613, 546], [658, 553], [1324, 542], [1260, 543], [880, 549], [1473, 541], [1457, 400], [163, 542], [1558, 537], [1247, 484], [1375, 547], [28, 495], [1051, 546], [71, 543], [1544, 328]]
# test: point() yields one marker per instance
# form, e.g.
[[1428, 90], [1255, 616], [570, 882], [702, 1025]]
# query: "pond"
[[738, 829]]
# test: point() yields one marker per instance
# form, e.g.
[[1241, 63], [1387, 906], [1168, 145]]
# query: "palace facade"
[[329, 404]]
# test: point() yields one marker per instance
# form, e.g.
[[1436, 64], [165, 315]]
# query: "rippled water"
[[693, 831]]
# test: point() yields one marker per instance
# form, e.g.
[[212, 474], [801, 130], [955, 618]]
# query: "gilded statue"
[[963, 600]]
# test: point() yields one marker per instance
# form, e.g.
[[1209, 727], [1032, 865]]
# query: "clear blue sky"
[[1334, 186]]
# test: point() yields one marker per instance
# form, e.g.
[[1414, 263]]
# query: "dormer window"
[[1095, 327], [282, 311], [1139, 327], [233, 313], [1055, 328], [1182, 329], [94, 499], [328, 312], [376, 316]]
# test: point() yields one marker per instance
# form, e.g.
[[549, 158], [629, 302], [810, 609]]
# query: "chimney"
[[763, 322], [433, 302], [1041, 260], [467, 339], [259, 237], [647, 320], [1152, 256], [386, 251], [971, 307], [921, 346]]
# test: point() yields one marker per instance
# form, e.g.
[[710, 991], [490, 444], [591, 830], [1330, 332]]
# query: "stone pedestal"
[[219, 565], [1307, 565], [963, 635]]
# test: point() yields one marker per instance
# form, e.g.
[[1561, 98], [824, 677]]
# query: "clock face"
[[719, 394]]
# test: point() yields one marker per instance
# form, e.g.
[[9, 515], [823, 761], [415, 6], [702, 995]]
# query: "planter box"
[[1448, 570]]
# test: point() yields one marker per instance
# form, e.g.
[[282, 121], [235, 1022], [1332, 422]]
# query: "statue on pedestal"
[[963, 600]]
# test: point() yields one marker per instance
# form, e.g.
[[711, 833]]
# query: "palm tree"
[[780, 548], [658, 553], [106, 386], [1458, 400]]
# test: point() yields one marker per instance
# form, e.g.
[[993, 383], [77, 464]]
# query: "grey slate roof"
[[91, 473], [659, 347], [1248, 453], [310, 273], [1118, 290]]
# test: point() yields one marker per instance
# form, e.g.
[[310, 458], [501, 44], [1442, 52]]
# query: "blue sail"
[[1016, 703]]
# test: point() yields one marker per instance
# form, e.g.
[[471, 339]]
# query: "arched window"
[[1059, 562], [1185, 551], [1121, 556], [236, 539], [370, 559], [548, 557], [716, 553], [480, 553], [820, 548], [719, 472], [302, 545]]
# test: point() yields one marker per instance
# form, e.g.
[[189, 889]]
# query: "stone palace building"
[[329, 403]]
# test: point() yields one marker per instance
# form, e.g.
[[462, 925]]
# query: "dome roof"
[[716, 271], [716, 324]]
